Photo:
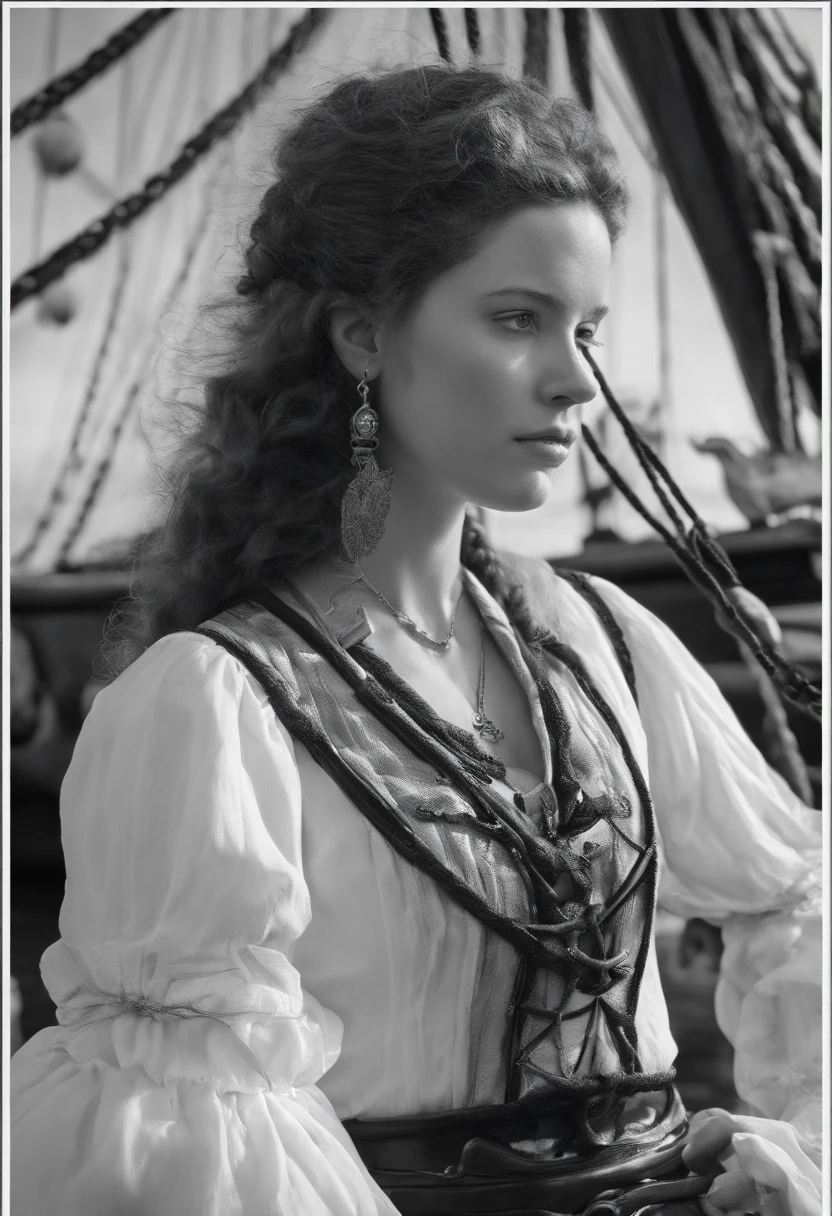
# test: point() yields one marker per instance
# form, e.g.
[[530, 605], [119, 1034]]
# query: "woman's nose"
[[571, 378]]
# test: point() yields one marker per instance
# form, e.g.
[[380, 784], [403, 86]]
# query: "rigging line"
[[472, 31], [195, 52], [796, 48], [195, 45], [158, 64], [662, 304], [809, 106], [628, 116], [59, 90], [128, 209], [125, 243], [440, 30], [41, 179], [576, 33], [792, 69], [536, 45], [605, 63], [73, 461], [778, 125], [766, 256], [793, 685]]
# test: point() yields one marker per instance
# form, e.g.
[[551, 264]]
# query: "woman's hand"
[[766, 1171]]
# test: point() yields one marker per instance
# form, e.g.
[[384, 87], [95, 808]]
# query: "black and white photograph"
[[415, 533]]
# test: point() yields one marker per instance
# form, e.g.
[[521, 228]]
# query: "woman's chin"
[[523, 494]]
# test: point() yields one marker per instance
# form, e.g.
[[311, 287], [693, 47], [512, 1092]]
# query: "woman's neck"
[[418, 572], [416, 565]]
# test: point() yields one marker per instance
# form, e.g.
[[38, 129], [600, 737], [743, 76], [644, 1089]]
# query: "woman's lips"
[[551, 450]]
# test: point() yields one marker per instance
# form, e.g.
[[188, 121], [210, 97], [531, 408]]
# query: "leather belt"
[[482, 1165]]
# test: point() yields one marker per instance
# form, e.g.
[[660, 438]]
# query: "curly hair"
[[380, 185]]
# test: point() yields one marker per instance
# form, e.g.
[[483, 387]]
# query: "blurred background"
[[140, 146]]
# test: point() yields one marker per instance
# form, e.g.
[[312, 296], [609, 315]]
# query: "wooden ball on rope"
[[57, 305], [58, 145]]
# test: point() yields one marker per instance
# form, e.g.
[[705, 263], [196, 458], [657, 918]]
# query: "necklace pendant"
[[486, 728]]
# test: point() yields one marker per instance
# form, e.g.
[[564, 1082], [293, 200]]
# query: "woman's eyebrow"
[[595, 314]]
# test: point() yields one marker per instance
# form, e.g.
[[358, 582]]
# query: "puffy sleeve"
[[182, 1075], [739, 849]]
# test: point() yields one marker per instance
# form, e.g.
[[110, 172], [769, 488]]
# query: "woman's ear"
[[353, 336]]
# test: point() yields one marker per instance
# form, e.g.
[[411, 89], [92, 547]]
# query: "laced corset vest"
[[565, 874]]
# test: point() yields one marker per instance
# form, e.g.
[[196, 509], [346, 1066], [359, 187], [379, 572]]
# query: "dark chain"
[[40, 104], [123, 214]]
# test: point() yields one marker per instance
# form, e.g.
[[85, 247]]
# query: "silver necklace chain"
[[482, 724], [402, 617]]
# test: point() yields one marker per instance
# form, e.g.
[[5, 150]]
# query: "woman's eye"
[[586, 337], [520, 317]]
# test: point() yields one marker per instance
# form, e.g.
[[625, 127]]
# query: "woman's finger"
[[708, 1138], [734, 1191]]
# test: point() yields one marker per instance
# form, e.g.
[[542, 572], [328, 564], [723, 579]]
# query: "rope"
[[41, 180], [795, 47], [472, 31], [803, 222], [784, 751], [764, 89], [760, 141], [789, 217], [72, 462], [794, 686], [795, 68], [35, 108], [811, 108], [125, 212], [633, 123], [536, 44], [57, 495], [576, 33], [767, 162], [662, 296], [702, 557], [766, 260], [437, 20]]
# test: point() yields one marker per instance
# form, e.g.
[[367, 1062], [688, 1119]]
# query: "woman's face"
[[494, 353]]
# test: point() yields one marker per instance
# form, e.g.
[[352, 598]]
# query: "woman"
[[361, 856]]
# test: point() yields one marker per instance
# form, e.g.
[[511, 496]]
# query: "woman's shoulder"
[[184, 668], [183, 697], [555, 592], [536, 574], [566, 589]]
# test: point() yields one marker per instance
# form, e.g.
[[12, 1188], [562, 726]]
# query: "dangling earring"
[[366, 500]]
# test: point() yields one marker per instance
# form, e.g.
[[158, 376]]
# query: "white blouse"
[[244, 961]]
